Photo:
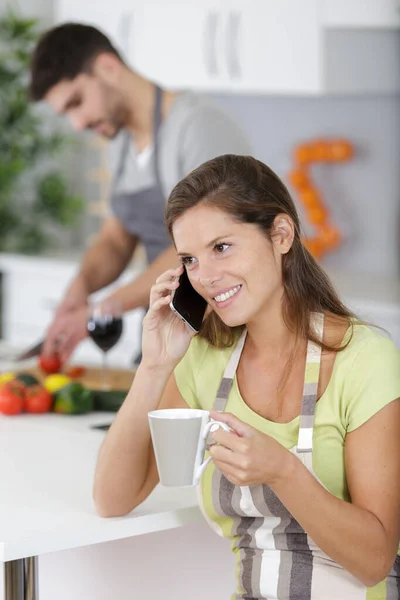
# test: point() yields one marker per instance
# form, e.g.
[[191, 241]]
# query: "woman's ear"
[[282, 233]]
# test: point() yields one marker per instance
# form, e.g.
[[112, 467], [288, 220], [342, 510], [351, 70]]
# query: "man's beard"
[[117, 114], [112, 127]]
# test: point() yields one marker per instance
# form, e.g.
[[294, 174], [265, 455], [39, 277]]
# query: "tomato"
[[75, 371], [50, 364], [37, 399], [12, 397]]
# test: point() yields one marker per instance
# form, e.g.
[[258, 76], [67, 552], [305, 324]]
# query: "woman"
[[307, 483]]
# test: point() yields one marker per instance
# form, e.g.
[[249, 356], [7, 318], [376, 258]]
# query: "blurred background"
[[297, 76]]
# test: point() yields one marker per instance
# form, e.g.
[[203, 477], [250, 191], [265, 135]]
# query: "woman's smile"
[[226, 297]]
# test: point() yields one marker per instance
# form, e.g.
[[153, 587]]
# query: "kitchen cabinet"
[[236, 45], [269, 47], [274, 46], [180, 43], [283, 47], [32, 288], [251, 46], [360, 14]]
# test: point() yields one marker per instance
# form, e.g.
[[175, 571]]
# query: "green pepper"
[[73, 399]]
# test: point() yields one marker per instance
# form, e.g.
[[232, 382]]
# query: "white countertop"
[[46, 474]]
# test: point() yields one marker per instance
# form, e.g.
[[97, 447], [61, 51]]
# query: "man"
[[160, 136]]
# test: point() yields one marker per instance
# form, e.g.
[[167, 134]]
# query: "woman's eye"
[[221, 247], [187, 260]]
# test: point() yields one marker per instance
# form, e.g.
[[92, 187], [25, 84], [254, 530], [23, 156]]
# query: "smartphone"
[[188, 304]]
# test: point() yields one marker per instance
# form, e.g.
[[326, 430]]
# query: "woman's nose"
[[208, 278]]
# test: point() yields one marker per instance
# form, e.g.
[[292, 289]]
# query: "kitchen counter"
[[49, 526], [47, 464]]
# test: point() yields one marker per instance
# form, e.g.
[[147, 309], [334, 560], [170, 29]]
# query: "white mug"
[[179, 438]]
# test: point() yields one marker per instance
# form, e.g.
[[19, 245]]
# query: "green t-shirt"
[[365, 378]]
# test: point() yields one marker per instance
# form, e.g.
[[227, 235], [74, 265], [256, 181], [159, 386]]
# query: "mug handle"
[[207, 429]]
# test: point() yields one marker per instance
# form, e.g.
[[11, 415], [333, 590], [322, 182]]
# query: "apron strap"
[[126, 140], [311, 379], [157, 117], [229, 374]]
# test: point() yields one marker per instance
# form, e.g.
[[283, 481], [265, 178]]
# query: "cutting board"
[[118, 379]]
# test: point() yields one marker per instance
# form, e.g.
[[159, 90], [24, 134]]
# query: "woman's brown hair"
[[251, 192]]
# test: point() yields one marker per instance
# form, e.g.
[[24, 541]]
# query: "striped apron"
[[275, 558]]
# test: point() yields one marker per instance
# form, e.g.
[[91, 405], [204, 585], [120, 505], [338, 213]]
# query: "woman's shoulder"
[[202, 351], [201, 363], [369, 372], [368, 340], [369, 359]]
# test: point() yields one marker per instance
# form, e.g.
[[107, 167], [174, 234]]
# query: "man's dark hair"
[[64, 52]]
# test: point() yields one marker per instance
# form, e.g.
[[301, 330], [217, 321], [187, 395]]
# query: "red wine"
[[105, 331]]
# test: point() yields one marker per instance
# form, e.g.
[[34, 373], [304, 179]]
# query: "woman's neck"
[[268, 335]]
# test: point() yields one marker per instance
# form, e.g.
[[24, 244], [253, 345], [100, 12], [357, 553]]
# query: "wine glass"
[[105, 328]]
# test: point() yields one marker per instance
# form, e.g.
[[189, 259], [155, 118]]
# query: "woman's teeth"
[[223, 297]]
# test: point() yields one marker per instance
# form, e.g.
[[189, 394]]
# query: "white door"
[[178, 43], [274, 47], [361, 14]]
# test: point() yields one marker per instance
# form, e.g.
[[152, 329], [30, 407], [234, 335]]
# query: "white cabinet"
[[251, 46], [259, 46], [32, 288], [179, 44], [360, 14], [274, 46], [284, 47]]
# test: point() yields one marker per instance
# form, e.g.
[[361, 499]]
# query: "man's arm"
[[102, 264], [136, 293], [108, 256]]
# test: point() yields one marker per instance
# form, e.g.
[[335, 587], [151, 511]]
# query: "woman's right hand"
[[165, 336]]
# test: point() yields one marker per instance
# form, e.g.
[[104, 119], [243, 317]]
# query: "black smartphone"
[[188, 304]]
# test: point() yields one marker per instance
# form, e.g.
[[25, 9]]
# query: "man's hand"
[[66, 331], [75, 297], [68, 327]]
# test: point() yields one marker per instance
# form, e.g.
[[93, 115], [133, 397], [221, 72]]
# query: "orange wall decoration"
[[327, 237]]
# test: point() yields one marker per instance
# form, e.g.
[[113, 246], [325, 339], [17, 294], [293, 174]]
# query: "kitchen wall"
[[364, 194]]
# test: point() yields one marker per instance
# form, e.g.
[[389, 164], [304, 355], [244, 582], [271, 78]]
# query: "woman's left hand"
[[247, 456]]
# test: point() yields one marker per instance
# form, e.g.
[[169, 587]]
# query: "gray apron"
[[142, 213], [275, 557]]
